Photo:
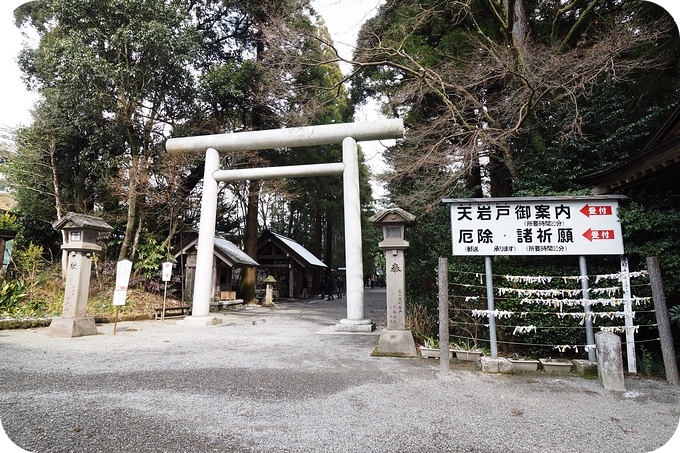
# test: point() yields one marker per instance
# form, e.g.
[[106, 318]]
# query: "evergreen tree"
[[503, 80], [547, 91], [113, 75]]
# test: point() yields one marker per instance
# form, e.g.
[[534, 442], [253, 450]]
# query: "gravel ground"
[[282, 379]]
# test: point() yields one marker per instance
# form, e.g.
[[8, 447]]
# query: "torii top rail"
[[294, 137]]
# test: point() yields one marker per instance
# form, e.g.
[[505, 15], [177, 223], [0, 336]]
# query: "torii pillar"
[[346, 133]]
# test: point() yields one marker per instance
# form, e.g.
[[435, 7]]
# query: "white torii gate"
[[346, 133]]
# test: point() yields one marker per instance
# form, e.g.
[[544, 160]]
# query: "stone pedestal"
[[395, 339], [585, 368], [498, 365], [397, 342], [355, 325], [72, 327], [609, 361], [396, 282], [73, 321]]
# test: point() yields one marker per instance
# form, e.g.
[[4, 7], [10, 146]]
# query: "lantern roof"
[[77, 221], [393, 214]]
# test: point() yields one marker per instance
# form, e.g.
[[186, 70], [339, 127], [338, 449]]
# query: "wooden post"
[[115, 320], [165, 296], [443, 280], [665, 336]]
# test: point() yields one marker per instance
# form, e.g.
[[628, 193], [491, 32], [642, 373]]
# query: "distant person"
[[305, 287], [340, 284], [372, 283], [330, 288]]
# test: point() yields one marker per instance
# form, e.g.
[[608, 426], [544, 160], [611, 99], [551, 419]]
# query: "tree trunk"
[[316, 278], [249, 280], [520, 26], [132, 209], [473, 178], [329, 247], [138, 235], [58, 203], [501, 179]]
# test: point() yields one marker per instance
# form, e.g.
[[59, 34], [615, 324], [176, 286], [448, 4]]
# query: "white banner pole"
[[628, 312]]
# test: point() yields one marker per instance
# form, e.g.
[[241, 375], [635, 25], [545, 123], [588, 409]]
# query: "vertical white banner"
[[123, 269], [167, 271]]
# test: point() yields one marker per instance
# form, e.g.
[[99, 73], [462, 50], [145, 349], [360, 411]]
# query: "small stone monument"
[[609, 361], [395, 339], [81, 243]]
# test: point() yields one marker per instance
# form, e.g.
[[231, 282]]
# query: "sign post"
[[581, 225], [167, 276], [123, 269], [491, 307]]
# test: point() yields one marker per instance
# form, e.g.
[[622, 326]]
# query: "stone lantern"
[[395, 339], [270, 281], [81, 232]]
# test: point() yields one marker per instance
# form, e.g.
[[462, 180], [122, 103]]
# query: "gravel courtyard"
[[283, 380]]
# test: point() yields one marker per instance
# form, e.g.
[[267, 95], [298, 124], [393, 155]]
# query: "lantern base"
[[399, 342], [72, 327]]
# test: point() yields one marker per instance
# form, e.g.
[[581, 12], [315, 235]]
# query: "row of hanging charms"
[[526, 279], [559, 298]]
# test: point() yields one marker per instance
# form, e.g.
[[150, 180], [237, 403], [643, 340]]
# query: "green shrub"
[[29, 262], [147, 267], [8, 222], [11, 295], [674, 315], [649, 363]]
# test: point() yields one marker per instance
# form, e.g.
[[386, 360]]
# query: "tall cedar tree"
[[549, 90], [503, 79], [113, 76]]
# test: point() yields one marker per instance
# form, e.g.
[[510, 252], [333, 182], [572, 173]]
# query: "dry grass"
[[418, 321]]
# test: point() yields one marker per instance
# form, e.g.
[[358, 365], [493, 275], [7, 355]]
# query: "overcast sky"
[[342, 17], [15, 101]]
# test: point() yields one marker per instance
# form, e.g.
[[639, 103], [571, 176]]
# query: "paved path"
[[282, 379]]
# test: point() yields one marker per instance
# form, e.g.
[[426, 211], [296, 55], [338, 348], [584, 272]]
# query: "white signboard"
[[119, 297], [167, 271], [123, 269], [536, 226]]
